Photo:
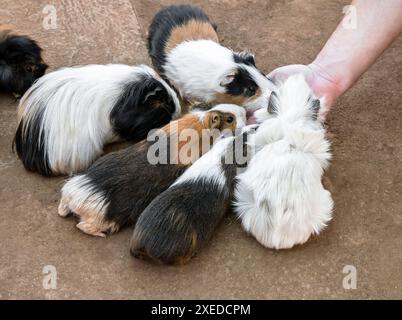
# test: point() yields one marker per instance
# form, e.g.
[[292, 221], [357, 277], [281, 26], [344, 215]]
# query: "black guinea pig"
[[20, 62]]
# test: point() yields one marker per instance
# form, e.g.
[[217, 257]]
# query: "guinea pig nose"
[[42, 67]]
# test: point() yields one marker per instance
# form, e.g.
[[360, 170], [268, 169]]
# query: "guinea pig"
[[185, 50], [181, 220], [119, 186], [280, 199], [20, 62], [67, 116]]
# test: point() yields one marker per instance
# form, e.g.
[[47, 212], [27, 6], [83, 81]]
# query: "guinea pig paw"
[[63, 209], [90, 229]]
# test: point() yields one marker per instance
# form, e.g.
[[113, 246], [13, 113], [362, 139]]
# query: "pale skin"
[[349, 53]]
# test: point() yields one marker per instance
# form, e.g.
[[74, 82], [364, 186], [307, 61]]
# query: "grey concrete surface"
[[365, 177]]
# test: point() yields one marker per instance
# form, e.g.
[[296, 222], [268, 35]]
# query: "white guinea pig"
[[280, 199]]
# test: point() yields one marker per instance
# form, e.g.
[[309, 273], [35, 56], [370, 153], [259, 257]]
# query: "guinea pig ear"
[[152, 94], [315, 108], [228, 79], [273, 103], [139, 110], [214, 120]]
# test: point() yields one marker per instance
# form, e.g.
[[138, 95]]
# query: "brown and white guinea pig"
[[181, 220], [119, 186], [68, 116], [20, 62], [185, 50]]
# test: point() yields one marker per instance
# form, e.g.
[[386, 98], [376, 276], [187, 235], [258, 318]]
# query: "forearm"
[[350, 52]]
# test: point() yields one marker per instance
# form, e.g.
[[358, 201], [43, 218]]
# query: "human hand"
[[320, 82]]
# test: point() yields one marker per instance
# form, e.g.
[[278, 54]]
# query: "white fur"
[[280, 199], [239, 112], [77, 193], [198, 68], [77, 103]]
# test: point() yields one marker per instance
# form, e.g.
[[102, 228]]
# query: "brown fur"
[[192, 30], [212, 120], [182, 260]]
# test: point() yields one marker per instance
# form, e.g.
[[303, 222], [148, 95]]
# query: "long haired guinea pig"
[[181, 220], [119, 186], [20, 62], [67, 116], [185, 49], [280, 199]]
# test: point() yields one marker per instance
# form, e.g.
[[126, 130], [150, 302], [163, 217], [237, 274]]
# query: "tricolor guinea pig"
[[20, 62], [180, 221], [119, 186], [67, 116], [280, 199], [184, 48]]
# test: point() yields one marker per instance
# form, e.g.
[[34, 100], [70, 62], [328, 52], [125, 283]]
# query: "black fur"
[[163, 24], [171, 227], [244, 57], [20, 63], [315, 108], [130, 182], [144, 104], [242, 84], [30, 146], [181, 220]]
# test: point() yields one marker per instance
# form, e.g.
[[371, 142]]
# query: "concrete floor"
[[365, 177]]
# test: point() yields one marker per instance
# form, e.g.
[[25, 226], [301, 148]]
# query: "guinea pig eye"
[[229, 119], [252, 89]]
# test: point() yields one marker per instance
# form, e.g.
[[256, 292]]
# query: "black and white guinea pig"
[[119, 186], [67, 116], [180, 221], [20, 62], [185, 49]]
